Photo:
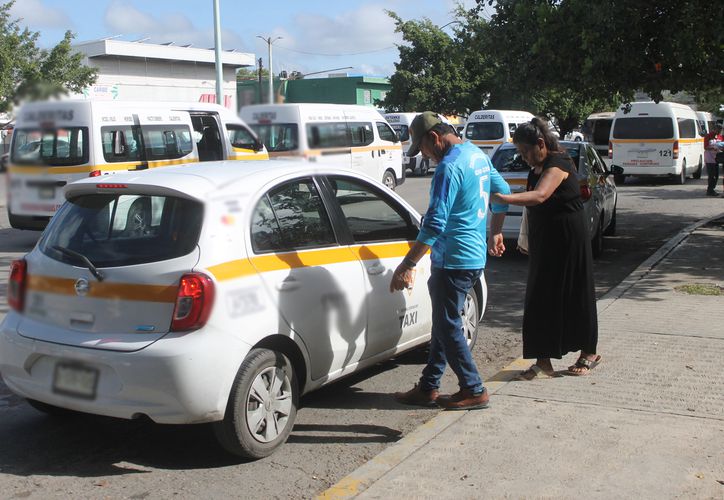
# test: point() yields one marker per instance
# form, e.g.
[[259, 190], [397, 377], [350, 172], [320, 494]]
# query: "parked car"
[[216, 292], [598, 190]]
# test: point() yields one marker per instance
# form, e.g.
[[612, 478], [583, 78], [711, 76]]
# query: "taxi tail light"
[[16, 284], [586, 192], [95, 173], [194, 301], [676, 150], [610, 150]]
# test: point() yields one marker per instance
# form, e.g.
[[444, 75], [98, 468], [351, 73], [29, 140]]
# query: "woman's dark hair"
[[529, 133]]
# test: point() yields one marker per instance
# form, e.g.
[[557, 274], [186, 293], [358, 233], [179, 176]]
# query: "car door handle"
[[288, 285], [376, 269]]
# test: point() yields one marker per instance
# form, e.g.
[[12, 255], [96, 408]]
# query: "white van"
[[400, 122], [351, 136], [597, 130], [651, 139], [489, 128], [58, 142], [706, 121]]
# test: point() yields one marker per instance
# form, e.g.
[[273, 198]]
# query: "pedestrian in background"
[[711, 148], [560, 302], [454, 227]]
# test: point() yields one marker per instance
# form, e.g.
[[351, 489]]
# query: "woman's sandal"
[[534, 372], [585, 366]]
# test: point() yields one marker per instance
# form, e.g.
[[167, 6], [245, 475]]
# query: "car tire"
[[611, 229], [389, 180], [597, 241], [682, 176], [697, 174], [257, 420], [619, 179], [471, 318], [51, 410]]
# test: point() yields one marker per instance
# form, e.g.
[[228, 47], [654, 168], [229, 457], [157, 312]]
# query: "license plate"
[[46, 193], [75, 380]]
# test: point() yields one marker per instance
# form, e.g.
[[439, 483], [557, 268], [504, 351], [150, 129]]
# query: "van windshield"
[[121, 230], [278, 136], [484, 131], [643, 127], [51, 147], [403, 132]]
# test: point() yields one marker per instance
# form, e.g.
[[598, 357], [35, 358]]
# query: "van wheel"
[[597, 241], [682, 177], [389, 180], [262, 406], [611, 229], [697, 174], [471, 318]]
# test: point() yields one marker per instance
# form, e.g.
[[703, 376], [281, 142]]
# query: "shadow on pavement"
[[321, 433]]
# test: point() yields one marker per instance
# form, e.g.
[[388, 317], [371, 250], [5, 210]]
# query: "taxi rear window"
[[123, 229]]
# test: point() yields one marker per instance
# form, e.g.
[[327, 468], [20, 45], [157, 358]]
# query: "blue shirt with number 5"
[[455, 221]]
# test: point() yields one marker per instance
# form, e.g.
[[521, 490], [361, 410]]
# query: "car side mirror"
[[616, 170]]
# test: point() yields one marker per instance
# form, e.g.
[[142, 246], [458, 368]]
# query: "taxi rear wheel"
[[389, 180], [262, 406], [471, 317]]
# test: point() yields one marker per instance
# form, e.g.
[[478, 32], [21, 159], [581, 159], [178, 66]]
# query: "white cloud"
[[35, 14], [123, 18]]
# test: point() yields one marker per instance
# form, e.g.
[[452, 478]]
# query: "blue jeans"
[[448, 288]]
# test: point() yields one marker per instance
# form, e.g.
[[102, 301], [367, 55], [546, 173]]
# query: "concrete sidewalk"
[[646, 423]]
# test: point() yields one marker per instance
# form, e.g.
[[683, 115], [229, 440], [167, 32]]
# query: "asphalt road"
[[338, 428]]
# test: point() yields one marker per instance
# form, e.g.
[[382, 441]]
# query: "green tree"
[[28, 72]]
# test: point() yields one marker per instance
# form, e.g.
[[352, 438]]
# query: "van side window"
[[403, 132], [328, 135], [240, 136], [132, 147], [361, 133], [166, 142], [386, 133], [687, 128]]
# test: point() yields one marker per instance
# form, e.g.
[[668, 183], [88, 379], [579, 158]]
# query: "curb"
[[374, 469]]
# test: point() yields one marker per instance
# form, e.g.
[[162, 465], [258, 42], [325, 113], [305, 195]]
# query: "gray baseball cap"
[[420, 126]]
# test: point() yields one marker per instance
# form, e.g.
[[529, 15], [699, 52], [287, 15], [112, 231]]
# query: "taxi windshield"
[[484, 131], [123, 229], [51, 147]]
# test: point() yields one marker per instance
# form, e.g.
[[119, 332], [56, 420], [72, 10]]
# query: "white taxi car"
[[214, 293]]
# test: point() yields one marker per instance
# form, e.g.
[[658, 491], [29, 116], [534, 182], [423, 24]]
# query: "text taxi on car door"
[[58, 142], [214, 294]]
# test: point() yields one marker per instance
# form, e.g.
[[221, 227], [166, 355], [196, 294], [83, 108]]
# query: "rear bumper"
[[180, 379], [651, 171]]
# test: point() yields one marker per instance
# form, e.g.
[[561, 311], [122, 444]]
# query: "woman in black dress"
[[560, 302]]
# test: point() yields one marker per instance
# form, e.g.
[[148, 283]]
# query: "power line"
[[336, 55]]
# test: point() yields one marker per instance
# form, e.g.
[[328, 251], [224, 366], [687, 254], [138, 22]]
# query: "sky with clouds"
[[316, 35]]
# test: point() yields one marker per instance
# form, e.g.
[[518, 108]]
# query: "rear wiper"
[[72, 253]]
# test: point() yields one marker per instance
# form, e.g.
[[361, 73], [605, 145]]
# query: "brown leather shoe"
[[417, 397], [464, 399]]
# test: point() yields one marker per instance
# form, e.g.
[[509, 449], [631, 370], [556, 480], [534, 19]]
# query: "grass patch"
[[700, 289]]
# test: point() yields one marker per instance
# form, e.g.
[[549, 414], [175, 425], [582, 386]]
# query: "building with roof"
[[160, 72]]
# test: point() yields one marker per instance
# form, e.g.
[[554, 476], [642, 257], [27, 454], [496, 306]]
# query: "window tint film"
[[386, 133], [328, 135], [403, 132], [128, 137], [509, 160], [166, 142], [120, 230], [361, 133], [290, 217], [601, 132], [240, 137], [484, 131], [644, 127], [279, 136], [370, 215], [687, 128], [51, 147]]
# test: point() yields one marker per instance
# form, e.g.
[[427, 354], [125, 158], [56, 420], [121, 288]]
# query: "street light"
[[270, 41]]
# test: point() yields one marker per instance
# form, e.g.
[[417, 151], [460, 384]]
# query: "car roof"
[[206, 180]]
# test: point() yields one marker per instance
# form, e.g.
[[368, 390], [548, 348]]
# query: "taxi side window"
[[240, 137], [386, 133], [593, 162], [290, 217], [370, 216], [130, 151]]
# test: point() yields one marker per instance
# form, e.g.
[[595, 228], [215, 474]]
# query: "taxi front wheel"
[[262, 406]]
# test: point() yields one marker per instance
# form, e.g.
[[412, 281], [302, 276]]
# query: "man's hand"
[[402, 278], [496, 245]]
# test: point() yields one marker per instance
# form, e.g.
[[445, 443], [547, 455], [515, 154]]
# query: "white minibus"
[[58, 142], [351, 136], [597, 130], [656, 139], [489, 128]]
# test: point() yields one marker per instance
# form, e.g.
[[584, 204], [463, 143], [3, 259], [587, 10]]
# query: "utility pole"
[[217, 50], [261, 66], [269, 41]]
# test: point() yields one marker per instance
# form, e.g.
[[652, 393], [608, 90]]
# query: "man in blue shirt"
[[454, 227]]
